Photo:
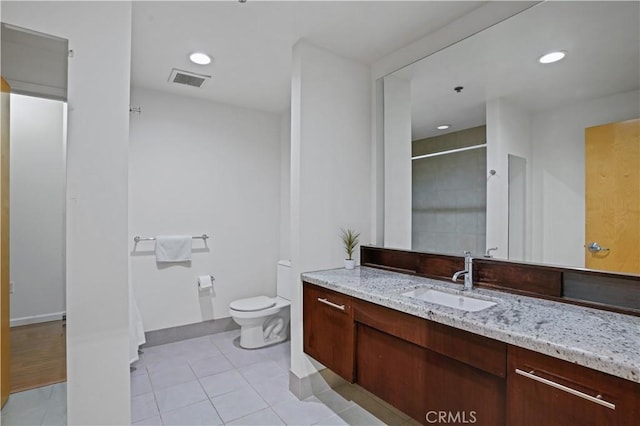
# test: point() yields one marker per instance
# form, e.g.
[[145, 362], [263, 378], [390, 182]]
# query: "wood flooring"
[[38, 355]]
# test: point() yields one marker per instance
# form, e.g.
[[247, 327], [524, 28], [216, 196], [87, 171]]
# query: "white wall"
[[98, 132], [201, 167], [38, 173], [558, 183], [397, 163], [508, 132], [477, 20], [285, 185], [330, 167]]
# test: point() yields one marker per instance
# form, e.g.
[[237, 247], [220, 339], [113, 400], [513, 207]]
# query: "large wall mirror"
[[517, 170]]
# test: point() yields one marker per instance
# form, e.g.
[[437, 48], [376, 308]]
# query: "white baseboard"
[[34, 319]]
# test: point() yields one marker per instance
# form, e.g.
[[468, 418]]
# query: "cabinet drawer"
[[330, 300], [477, 351], [403, 326], [329, 333], [546, 390]]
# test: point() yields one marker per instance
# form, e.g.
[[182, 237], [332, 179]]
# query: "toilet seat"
[[252, 304]]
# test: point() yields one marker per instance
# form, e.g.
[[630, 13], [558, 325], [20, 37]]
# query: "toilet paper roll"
[[205, 281]]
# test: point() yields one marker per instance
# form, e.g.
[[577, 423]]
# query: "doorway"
[[37, 242], [612, 202], [35, 67]]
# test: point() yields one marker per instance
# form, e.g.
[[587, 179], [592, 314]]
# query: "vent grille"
[[188, 78]]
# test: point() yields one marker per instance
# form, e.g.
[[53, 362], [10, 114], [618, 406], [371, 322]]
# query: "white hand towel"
[[173, 248]]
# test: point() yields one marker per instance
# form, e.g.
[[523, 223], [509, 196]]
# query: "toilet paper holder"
[[205, 282]]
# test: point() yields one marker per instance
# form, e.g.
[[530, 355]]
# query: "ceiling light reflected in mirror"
[[552, 57]]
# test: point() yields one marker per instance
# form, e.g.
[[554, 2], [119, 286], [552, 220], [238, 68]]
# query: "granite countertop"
[[601, 340]]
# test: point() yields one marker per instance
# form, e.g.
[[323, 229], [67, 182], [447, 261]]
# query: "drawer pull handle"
[[333, 305], [597, 399]]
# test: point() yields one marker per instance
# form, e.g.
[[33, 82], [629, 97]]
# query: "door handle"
[[594, 247], [333, 305], [595, 399]]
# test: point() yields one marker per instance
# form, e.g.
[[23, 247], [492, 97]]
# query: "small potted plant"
[[350, 241]]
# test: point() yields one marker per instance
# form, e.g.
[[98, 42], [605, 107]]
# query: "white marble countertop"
[[601, 340]]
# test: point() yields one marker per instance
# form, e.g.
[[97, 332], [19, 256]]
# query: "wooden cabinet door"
[[542, 390], [457, 393], [393, 369], [329, 332]]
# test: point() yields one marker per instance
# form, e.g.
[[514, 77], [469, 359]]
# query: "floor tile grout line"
[[269, 406], [207, 395], [214, 407], [44, 413], [262, 397], [253, 389], [155, 400]]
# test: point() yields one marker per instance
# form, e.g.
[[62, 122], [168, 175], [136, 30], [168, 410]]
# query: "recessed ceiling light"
[[552, 57], [443, 126], [200, 58]]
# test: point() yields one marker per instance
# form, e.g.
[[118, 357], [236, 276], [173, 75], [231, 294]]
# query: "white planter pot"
[[349, 264]]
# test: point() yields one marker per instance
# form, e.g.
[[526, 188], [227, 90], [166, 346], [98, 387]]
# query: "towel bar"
[[138, 238]]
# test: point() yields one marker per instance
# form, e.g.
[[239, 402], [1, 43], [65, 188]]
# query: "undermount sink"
[[456, 301]]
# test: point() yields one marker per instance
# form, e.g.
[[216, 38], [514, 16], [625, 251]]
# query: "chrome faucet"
[[468, 272], [489, 250]]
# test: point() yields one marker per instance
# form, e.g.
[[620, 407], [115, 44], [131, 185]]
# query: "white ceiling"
[[602, 40], [252, 42]]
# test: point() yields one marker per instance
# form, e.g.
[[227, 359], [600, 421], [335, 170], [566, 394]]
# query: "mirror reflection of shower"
[[449, 192]]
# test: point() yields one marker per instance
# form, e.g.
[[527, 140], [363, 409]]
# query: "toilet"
[[265, 320]]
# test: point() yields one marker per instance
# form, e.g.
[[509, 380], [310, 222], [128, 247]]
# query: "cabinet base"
[[320, 381]]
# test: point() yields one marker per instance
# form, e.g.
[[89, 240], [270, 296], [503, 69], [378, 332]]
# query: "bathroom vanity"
[[521, 361]]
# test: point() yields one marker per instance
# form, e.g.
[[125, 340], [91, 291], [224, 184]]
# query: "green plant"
[[350, 241]]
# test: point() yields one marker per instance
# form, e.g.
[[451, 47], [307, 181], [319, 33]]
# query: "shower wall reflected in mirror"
[[449, 196]]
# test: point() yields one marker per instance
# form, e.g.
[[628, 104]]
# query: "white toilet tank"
[[284, 280]]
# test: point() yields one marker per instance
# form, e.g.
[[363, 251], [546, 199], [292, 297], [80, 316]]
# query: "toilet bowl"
[[265, 320]]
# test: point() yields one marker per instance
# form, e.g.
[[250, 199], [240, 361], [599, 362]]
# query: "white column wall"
[[397, 163], [508, 132], [285, 185], [97, 161], [330, 168]]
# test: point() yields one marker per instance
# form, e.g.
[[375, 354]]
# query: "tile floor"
[[40, 406], [212, 381]]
